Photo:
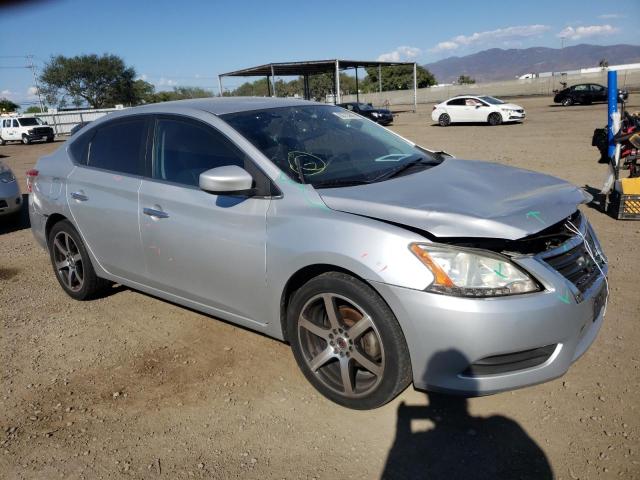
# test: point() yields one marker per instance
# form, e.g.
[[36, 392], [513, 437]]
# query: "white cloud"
[[589, 31], [32, 91], [142, 77], [609, 16], [489, 36], [6, 93], [166, 82], [400, 54]]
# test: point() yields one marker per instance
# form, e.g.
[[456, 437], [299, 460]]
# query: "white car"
[[481, 109], [25, 130]]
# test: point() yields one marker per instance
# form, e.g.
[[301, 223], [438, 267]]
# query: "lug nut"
[[335, 350], [331, 343]]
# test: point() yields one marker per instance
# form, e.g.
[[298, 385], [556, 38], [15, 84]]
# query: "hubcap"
[[341, 345], [68, 261]]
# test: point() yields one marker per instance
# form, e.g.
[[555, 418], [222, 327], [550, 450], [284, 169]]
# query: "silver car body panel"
[[10, 194], [464, 198], [233, 259]]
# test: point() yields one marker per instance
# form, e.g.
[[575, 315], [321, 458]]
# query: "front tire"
[[567, 102], [50, 139], [26, 140], [3, 141], [495, 119], [444, 120], [72, 264], [347, 342]]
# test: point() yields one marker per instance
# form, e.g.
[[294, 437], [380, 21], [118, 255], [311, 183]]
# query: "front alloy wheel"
[[347, 342]]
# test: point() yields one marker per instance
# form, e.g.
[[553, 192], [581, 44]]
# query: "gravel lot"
[[129, 386]]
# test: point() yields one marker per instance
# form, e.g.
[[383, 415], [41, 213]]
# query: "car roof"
[[224, 105]]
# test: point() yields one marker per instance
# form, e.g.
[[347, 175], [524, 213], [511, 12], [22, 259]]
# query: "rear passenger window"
[[119, 146], [80, 147], [184, 149]]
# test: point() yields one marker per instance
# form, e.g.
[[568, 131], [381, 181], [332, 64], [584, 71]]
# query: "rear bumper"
[[10, 198], [447, 336]]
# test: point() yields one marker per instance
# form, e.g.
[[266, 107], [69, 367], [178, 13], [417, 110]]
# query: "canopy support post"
[[337, 96], [220, 85], [273, 82], [415, 87], [357, 89]]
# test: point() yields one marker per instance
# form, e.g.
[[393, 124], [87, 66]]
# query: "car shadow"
[[599, 199], [477, 124], [18, 221], [460, 445]]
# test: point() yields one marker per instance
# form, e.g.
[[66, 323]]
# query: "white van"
[[24, 129]]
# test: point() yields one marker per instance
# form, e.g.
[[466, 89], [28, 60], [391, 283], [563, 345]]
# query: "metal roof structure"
[[315, 67]]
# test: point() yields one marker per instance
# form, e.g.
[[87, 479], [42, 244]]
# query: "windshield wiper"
[[341, 183], [401, 168]]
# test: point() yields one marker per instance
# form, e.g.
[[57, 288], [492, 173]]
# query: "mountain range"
[[505, 64]]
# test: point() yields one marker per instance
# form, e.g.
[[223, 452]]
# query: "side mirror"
[[478, 106], [227, 180]]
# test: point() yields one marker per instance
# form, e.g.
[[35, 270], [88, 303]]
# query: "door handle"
[[81, 197], [152, 212]]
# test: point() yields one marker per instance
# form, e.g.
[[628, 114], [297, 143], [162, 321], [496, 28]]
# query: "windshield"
[[491, 100], [29, 122], [333, 147], [365, 107]]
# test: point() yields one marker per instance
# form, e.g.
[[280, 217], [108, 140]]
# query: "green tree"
[[7, 105], [33, 109], [465, 80], [101, 81], [178, 93], [398, 77]]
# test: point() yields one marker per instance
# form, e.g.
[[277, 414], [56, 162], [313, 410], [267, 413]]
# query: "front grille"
[[576, 265], [42, 130]]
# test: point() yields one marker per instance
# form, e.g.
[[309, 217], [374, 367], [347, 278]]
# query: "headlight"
[[375, 114], [467, 273], [6, 175]]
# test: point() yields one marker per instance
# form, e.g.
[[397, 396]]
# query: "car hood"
[[511, 105], [464, 198]]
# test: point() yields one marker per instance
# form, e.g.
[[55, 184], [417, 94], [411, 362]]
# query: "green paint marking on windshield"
[[499, 271], [535, 214]]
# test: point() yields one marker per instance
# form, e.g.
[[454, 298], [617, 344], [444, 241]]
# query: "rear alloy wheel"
[[347, 342], [2, 141], [444, 120], [495, 119], [25, 140], [567, 102], [71, 263]]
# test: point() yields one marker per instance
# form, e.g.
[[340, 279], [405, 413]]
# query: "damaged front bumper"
[[480, 346]]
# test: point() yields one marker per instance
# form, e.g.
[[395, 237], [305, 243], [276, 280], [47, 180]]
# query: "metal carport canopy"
[[314, 67]]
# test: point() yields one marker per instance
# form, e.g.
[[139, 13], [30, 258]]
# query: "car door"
[[206, 248], [476, 110], [456, 109], [581, 93], [14, 130], [599, 93], [102, 192]]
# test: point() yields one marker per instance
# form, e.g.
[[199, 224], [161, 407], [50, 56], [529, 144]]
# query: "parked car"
[[25, 130], [370, 255], [382, 116], [585, 93], [77, 127], [477, 109], [10, 196]]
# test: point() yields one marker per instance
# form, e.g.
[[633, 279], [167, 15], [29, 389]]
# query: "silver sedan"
[[380, 261], [10, 196]]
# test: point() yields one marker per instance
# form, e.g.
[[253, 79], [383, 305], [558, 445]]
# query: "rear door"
[[599, 93], [456, 109], [199, 246], [102, 192]]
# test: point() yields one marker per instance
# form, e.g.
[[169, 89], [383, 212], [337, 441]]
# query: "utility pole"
[[562, 42], [35, 81]]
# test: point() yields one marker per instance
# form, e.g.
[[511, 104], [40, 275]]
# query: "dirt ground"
[[129, 386]]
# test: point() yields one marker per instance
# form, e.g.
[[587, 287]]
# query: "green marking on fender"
[[564, 298]]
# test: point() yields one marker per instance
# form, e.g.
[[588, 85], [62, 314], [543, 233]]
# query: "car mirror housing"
[[227, 180]]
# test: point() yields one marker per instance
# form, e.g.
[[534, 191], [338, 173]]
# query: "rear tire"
[[444, 120], [25, 140], [72, 264], [567, 102], [495, 119], [356, 355], [2, 141], [50, 139]]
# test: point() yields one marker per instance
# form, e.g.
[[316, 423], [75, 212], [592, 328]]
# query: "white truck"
[[24, 129]]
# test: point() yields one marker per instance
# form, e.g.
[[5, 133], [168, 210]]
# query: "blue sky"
[[189, 42]]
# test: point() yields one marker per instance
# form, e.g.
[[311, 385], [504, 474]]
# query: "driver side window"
[[183, 149]]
